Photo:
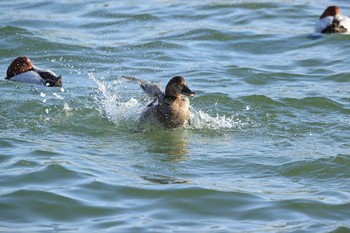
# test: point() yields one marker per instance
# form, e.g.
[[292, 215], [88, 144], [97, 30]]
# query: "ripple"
[[267, 150], [332, 168], [315, 103], [35, 205], [206, 34]]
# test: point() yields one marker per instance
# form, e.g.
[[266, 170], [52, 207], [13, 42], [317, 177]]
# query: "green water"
[[268, 148]]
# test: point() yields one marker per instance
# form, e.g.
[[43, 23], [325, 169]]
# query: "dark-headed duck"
[[23, 70], [332, 21], [171, 108]]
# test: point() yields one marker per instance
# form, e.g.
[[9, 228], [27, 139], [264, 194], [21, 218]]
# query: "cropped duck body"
[[332, 21], [23, 70]]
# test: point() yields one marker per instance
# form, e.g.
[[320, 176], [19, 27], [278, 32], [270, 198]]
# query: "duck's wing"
[[323, 23], [131, 78], [152, 90], [157, 100]]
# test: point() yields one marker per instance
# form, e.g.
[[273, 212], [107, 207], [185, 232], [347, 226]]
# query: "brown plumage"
[[172, 109], [330, 11]]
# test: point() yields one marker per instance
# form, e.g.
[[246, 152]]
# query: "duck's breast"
[[176, 113]]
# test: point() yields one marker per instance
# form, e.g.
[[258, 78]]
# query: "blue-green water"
[[268, 150]]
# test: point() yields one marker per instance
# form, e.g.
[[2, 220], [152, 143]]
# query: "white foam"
[[66, 107], [202, 120], [112, 106]]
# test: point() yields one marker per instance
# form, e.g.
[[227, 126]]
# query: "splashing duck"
[[332, 21], [170, 108], [23, 70]]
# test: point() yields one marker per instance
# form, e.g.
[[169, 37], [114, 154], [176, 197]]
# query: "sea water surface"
[[267, 150]]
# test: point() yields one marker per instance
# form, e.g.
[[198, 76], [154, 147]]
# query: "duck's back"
[[28, 77]]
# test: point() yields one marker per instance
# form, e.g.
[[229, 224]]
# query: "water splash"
[[57, 96], [202, 120], [111, 103], [120, 107]]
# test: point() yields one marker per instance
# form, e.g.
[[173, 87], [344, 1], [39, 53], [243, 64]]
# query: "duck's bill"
[[187, 91]]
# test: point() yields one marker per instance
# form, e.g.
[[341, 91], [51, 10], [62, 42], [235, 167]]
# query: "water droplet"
[[57, 96], [66, 107]]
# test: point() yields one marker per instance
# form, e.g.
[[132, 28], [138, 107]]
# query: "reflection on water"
[[163, 150], [170, 142]]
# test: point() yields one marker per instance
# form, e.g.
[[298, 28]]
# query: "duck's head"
[[23, 64], [330, 11], [19, 66], [177, 86]]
